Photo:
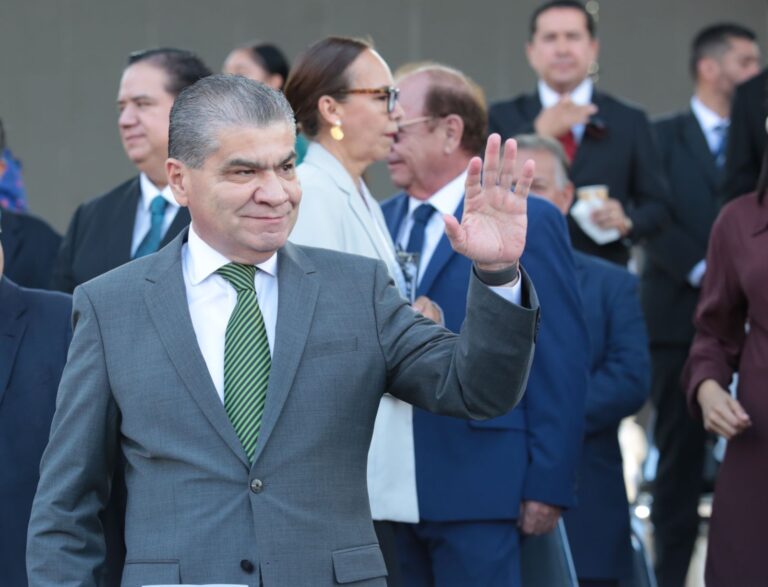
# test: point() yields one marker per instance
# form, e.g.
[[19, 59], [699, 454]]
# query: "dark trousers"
[[459, 554], [681, 442], [385, 532]]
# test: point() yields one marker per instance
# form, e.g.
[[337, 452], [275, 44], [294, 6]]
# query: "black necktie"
[[421, 216]]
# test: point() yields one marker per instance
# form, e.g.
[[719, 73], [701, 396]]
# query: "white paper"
[[582, 212]]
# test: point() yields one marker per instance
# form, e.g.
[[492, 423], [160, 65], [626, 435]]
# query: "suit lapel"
[[180, 221], [166, 299], [531, 106], [395, 216], [696, 143], [443, 253], [12, 237], [120, 227], [12, 327], [297, 295]]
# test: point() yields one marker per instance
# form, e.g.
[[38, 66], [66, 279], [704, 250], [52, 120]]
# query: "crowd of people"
[[208, 380]]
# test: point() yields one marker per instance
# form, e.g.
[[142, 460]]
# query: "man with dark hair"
[[30, 244], [139, 216], [245, 422], [34, 337], [607, 141], [692, 146], [480, 485]]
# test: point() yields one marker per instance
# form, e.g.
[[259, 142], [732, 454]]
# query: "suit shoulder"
[[108, 200], [48, 303], [392, 201], [619, 106], [31, 226], [670, 121], [605, 270], [543, 212], [327, 259]]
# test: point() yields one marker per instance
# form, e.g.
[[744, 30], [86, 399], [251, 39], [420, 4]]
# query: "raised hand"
[[558, 119], [495, 220]]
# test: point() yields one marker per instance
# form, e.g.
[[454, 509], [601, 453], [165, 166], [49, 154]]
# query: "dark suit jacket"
[[34, 337], [470, 470], [619, 153], [100, 234], [746, 137], [598, 527], [669, 301], [30, 248]]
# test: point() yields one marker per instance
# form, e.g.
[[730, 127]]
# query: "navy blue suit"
[[481, 471], [34, 338], [619, 381]]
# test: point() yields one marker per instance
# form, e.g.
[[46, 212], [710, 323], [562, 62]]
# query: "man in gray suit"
[[245, 422]]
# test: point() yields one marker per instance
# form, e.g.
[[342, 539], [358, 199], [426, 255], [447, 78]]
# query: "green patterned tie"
[[246, 358]]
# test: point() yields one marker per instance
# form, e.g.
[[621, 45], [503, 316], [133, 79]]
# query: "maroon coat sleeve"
[[721, 313]]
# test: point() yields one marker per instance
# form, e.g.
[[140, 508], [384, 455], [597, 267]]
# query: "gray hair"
[[540, 143], [216, 102]]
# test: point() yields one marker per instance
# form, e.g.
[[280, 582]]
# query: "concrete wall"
[[60, 62]]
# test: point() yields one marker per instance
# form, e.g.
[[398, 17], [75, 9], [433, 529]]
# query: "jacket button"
[[256, 485], [246, 565]]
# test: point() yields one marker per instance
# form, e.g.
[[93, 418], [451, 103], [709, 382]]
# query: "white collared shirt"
[[211, 299], [710, 123], [144, 216], [445, 201], [581, 96]]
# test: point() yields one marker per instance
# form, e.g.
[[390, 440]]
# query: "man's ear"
[[178, 179], [454, 131], [566, 197]]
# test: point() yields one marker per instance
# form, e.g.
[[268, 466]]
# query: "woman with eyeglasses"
[[342, 93]]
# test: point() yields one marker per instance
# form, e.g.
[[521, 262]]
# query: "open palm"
[[493, 226]]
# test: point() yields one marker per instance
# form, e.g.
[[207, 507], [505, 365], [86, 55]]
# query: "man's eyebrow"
[[258, 165]]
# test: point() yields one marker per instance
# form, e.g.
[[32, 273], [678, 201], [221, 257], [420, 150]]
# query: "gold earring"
[[336, 133]]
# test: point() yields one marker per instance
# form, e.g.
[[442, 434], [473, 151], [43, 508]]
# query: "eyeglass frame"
[[392, 94]]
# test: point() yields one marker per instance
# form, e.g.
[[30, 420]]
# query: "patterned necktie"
[[246, 358], [151, 241], [568, 141], [421, 216]]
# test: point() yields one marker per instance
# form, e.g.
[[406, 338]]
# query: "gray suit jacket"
[[198, 511]]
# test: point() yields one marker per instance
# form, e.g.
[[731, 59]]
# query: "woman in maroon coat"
[[732, 336]]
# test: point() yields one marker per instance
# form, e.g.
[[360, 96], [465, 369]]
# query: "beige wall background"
[[61, 60]]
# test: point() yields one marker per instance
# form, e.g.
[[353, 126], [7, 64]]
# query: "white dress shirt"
[[211, 299], [581, 96], [143, 215], [445, 201], [710, 122]]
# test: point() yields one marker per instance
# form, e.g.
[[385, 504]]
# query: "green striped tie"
[[246, 358]]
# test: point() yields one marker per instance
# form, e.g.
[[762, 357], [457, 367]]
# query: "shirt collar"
[[708, 118], [446, 199], [581, 95], [204, 260], [149, 190]]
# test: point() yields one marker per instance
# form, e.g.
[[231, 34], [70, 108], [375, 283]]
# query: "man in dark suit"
[[34, 337], [747, 137], [30, 244], [598, 527], [138, 216], [480, 484], [692, 145], [608, 142]]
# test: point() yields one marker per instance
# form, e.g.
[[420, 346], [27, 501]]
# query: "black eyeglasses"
[[391, 92]]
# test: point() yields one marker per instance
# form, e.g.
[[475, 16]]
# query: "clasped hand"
[[493, 226]]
